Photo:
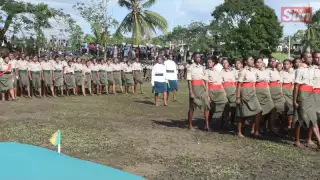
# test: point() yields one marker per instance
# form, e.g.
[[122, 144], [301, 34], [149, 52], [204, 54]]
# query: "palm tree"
[[141, 22]]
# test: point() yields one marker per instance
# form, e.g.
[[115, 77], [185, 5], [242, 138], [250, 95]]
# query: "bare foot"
[[240, 135], [299, 145], [312, 145]]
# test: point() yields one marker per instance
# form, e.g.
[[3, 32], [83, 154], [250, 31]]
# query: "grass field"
[[130, 133], [280, 56]]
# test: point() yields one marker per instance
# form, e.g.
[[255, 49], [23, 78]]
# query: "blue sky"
[[178, 12]]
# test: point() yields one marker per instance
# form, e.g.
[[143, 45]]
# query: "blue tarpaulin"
[[27, 162]]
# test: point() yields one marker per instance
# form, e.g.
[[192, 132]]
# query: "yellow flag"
[[56, 138]]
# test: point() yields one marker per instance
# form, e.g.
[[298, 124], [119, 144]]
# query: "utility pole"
[[289, 49]]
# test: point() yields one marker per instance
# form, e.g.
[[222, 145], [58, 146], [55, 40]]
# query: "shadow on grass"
[[145, 102]]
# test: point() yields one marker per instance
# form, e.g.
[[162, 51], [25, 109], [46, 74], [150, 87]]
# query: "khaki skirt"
[[148, 73], [87, 82], [200, 98], [95, 78], [110, 78], [128, 77], [103, 78], [70, 81], [117, 78], [138, 77], [249, 104], [36, 80], [15, 81], [306, 112], [317, 101], [47, 78], [6, 82], [78, 78], [264, 97], [24, 79], [230, 90], [218, 99], [277, 97], [287, 90], [58, 79]]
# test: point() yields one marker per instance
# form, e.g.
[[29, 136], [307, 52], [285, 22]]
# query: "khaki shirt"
[[237, 74], [13, 63], [86, 69], [228, 75], [46, 66], [316, 83], [116, 67], [274, 75], [68, 69], [196, 72], [262, 75], [109, 67], [102, 67], [57, 66], [77, 67], [34, 66], [94, 67], [22, 65], [127, 68], [136, 66], [213, 76], [287, 76], [247, 74], [123, 65], [305, 76]]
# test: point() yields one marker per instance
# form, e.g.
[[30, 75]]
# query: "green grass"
[[129, 133], [280, 56]]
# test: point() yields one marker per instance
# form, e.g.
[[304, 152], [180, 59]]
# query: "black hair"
[[314, 53], [287, 60], [257, 58]]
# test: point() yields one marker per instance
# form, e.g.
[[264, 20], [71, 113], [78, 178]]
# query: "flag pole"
[[59, 148]]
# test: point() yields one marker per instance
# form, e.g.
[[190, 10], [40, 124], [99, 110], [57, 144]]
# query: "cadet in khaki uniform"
[[69, 78], [304, 101], [229, 85], [117, 75], [316, 87], [35, 71], [198, 91], [287, 76], [123, 64], [13, 63], [57, 68], [46, 67], [137, 74], [217, 93], [103, 75], [23, 73], [87, 78], [6, 78], [262, 89], [128, 77], [246, 97], [109, 70], [78, 75], [94, 66]]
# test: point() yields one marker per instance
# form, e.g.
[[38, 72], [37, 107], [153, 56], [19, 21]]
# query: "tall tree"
[[76, 36], [96, 14], [246, 27], [142, 23], [312, 34]]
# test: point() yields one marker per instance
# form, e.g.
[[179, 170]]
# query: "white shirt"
[[13, 63], [127, 68], [218, 67], [171, 69], [86, 69], [22, 65], [47, 66], [116, 67], [136, 66], [64, 63], [109, 67], [34, 66], [158, 73], [57, 66], [68, 69], [94, 67], [77, 66], [4, 66]]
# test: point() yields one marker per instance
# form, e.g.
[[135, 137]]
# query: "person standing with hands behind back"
[[158, 81], [198, 92]]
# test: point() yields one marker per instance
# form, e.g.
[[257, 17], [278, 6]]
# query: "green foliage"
[[246, 27], [140, 22], [76, 36]]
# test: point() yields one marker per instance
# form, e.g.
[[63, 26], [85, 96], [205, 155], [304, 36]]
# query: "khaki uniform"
[[306, 112], [6, 80], [249, 104], [275, 89], [316, 91], [22, 66], [78, 73], [13, 63], [57, 68], [47, 73], [263, 92], [196, 75], [229, 84], [128, 75], [138, 72], [109, 70], [94, 73], [287, 89], [69, 78], [117, 74], [88, 77], [34, 69], [103, 74]]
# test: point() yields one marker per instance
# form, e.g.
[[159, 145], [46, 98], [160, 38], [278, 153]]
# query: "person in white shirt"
[[69, 78], [103, 75], [159, 81], [128, 77], [6, 78], [23, 73], [117, 75], [137, 74], [13, 63], [123, 65], [148, 73], [109, 70], [94, 66], [87, 78], [172, 77], [47, 73], [57, 69], [218, 67], [36, 75], [78, 74]]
